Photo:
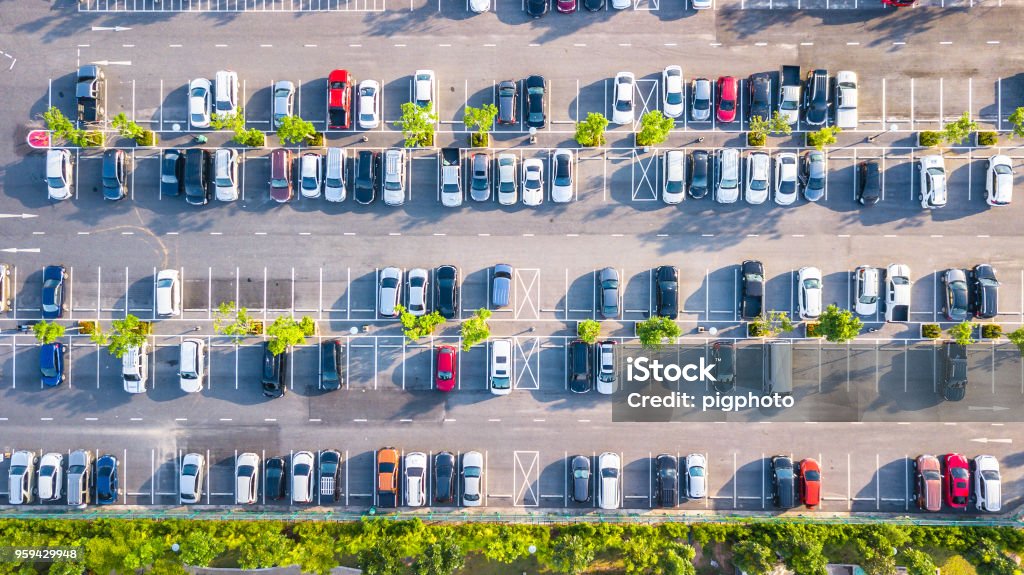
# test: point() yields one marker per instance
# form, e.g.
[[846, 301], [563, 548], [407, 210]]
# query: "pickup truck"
[[789, 93], [451, 177], [752, 296], [897, 293], [89, 91], [387, 478]]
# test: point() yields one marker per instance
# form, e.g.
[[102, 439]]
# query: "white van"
[[226, 92], [168, 293], [334, 179], [394, 177], [135, 369], [59, 174], [500, 380], [191, 364]]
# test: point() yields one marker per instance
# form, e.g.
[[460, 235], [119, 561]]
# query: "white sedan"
[[533, 182], [417, 291], [809, 293], [672, 91], [193, 468], [416, 479], [846, 100], [561, 176], [696, 476], [390, 291], [51, 476], [369, 104], [480, 6], [303, 477], [609, 468], [757, 178], [622, 108], [200, 103], [999, 181], [785, 178], [507, 179], [310, 174], [675, 184]]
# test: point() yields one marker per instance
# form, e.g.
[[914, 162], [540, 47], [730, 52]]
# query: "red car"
[[565, 6], [808, 475], [954, 483], [339, 100], [447, 365], [728, 93], [899, 3]]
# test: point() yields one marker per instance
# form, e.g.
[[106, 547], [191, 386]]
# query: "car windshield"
[[696, 472], [988, 282], [389, 283], [624, 105], [76, 469], [759, 185], [674, 187], [753, 278], [787, 188], [310, 183], [302, 469], [328, 468], [246, 471], [701, 103], [990, 475], [471, 471], [728, 183], [674, 98], [789, 105], [445, 375], [500, 382], [609, 472], [815, 183], [17, 469], [1003, 169], [936, 171], [869, 299], [581, 474], [48, 371], [190, 469], [46, 471], [279, 183], [958, 472], [812, 283], [812, 476], [727, 105]]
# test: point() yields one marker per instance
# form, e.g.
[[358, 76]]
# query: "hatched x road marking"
[[526, 478], [529, 368], [644, 188], [528, 279]]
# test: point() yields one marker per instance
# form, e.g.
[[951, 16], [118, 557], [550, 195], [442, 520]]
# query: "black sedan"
[[332, 364], [275, 484], [668, 480], [444, 477], [752, 285], [106, 480], [446, 291], [535, 92], [172, 173], [760, 96], [667, 292], [579, 474], [367, 168], [783, 482], [699, 173], [53, 292], [869, 186], [984, 291], [536, 8], [593, 5]]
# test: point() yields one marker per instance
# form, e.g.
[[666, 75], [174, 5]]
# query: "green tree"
[[60, 125], [418, 326], [380, 559], [770, 324], [482, 119], [654, 329], [442, 558], [418, 124], [654, 128], [760, 128], [957, 131], [588, 330], [823, 137], [839, 325], [572, 554], [315, 552], [252, 137], [285, 332], [753, 557], [61, 568], [293, 129], [475, 329], [917, 562], [963, 333], [880, 564], [127, 333], [590, 132], [231, 122], [1016, 120], [126, 127], [48, 332], [232, 321], [267, 547], [200, 547]]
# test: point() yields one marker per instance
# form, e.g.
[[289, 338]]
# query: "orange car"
[[809, 482], [387, 477]]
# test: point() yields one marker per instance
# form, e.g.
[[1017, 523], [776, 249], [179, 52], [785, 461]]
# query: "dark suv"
[[699, 173], [667, 479], [446, 291], [366, 176], [332, 362], [723, 357], [783, 482], [580, 366], [954, 371], [984, 291], [197, 171], [508, 102], [760, 96], [816, 98], [667, 292], [274, 369]]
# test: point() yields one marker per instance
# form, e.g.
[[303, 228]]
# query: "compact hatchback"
[[809, 482], [757, 178], [390, 291], [417, 279], [672, 91], [696, 476], [999, 181], [932, 181], [284, 101], [225, 175], [809, 293], [866, 290], [310, 174], [447, 363], [115, 175], [700, 101], [727, 95], [609, 280], [622, 101], [675, 187], [579, 475], [562, 188], [954, 481]]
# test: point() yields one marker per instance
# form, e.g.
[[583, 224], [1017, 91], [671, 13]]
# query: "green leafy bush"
[[930, 331], [588, 330], [988, 138], [590, 132], [756, 138], [813, 329], [929, 139], [47, 332], [991, 331], [653, 330], [962, 333], [475, 329], [654, 128], [823, 137]]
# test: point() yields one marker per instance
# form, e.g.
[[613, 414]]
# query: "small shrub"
[[929, 139], [930, 331], [962, 333], [813, 329], [588, 330], [988, 138], [991, 331], [86, 327], [92, 139], [823, 137], [478, 140], [308, 326], [756, 138], [317, 140], [147, 138]]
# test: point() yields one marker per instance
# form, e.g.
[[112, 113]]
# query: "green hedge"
[[988, 138]]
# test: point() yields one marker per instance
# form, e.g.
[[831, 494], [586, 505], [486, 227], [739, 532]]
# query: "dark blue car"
[[51, 363], [53, 292], [106, 480]]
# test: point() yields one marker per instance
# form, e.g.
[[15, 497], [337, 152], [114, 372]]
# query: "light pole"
[[533, 135]]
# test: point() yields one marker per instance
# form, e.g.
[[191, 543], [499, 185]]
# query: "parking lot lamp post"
[[533, 135]]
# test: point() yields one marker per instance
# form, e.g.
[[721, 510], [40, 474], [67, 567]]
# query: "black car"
[[508, 102], [366, 176], [953, 370], [752, 289], [816, 98], [984, 291], [699, 173], [90, 90], [275, 480], [667, 292], [783, 482], [446, 291], [667, 480], [172, 173], [332, 364], [444, 477], [593, 5], [330, 469], [115, 175], [760, 96], [869, 182], [274, 369], [106, 480], [197, 176], [580, 366], [53, 291], [579, 475], [535, 92], [537, 8], [723, 357]]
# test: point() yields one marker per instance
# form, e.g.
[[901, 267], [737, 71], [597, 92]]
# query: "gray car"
[[609, 278], [812, 176], [480, 184], [580, 476], [284, 97], [501, 285], [700, 102]]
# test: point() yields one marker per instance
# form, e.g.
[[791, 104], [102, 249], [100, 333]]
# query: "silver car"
[[193, 473], [507, 195], [416, 479], [700, 103], [609, 278], [51, 476], [813, 175], [284, 98], [472, 478], [247, 478], [310, 174], [727, 189], [609, 468], [390, 291], [696, 476], [757, 178], [200, 103]]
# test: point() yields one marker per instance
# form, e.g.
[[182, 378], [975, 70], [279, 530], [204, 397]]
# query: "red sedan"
[[954, 483], [809, 482], [899, 3], [339, 100], [566, 6], [728, 93], [447, 364]]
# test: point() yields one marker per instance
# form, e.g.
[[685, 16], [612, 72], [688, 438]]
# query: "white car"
[[809, 294], [675, 182], [987, 484], [701, 4], [533, 182], [247, 478], [846, 100], [480, 6], [51, 476], [672, 91], [696, 476], [21, 477], [193, 473], [757, 178], [200, 103], [369, 104], [310, 174], [561, 176], [621, 4], [606, 367], [727, 188], [472, 478], [390, 291], [932, 181], [284, 101], [225, 93], [999, 181], [507, 195], [303, 474], [785, 178], [416, 479], [225, 174], [417, 291], [168, 293], [609, 468], [866, 281], [59, 174], [423, 88], [191, 365], [622, 100]]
